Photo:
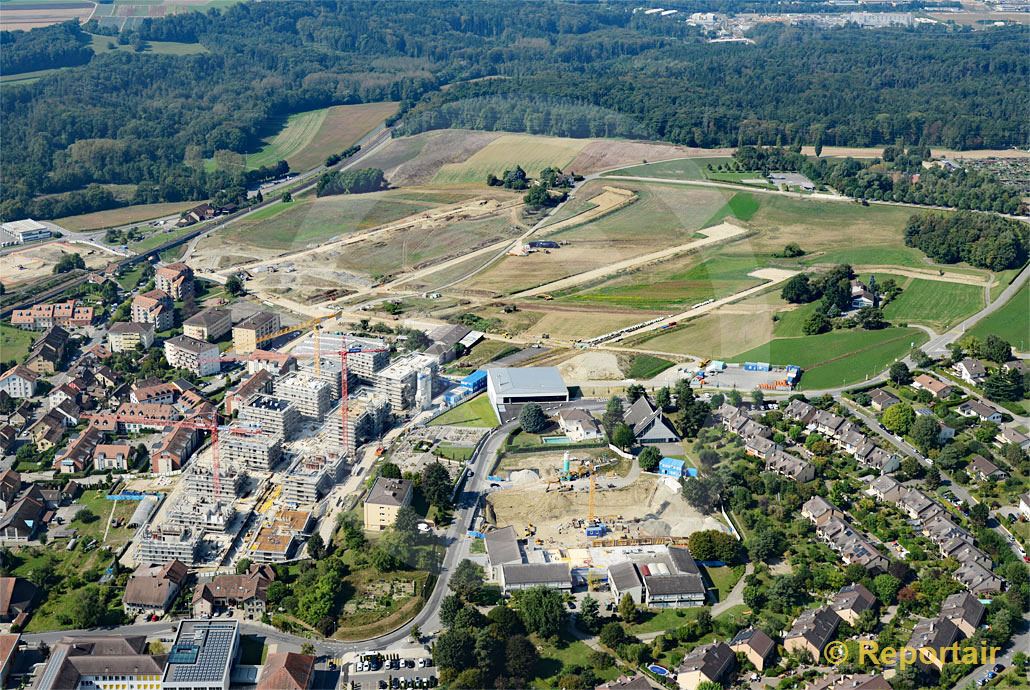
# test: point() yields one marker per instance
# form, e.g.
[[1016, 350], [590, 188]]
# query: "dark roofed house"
[[881, 399], [982, 469], [812, 631], [755, 645], [964, 611], [856, 681], [87, 662], [24, 519], [151, 589], [637, 682], [247, 593], [515, 576], [709, 663], [502, 546], [935, 634], [17, 597], [852, 601], [648, 423]]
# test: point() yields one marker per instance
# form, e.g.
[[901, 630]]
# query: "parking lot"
[[391, 671]]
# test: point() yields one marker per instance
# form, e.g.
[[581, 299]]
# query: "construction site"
[[577, 499]]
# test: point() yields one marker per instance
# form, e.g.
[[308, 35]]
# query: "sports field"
[[305, 139], [531, 152], [838, 358], [309, 220], [1011, 322]]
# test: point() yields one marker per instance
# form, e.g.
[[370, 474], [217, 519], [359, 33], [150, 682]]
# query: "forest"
[[984, 241], [58, 45], [556, 68]]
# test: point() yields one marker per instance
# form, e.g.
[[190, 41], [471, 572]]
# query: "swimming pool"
[[555, 440], [658, 670]]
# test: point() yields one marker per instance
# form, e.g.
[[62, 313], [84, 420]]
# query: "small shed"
[[672, 467]]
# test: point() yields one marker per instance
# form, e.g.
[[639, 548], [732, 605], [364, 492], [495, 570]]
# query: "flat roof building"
[[22, 231], [398, 382], [272, 415], [166, 543], [310, 396], [309, 479], [530, 384], [259, 452], [202, 655]]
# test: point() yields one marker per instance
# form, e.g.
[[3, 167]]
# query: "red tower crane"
[[344, 407]]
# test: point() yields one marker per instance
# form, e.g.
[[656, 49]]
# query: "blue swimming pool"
[[658, 670], [555, 440]]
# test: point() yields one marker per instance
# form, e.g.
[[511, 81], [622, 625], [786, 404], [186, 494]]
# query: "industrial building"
[[530, 384], [22, 231], [274, 416], [310, 396], [202, 655]]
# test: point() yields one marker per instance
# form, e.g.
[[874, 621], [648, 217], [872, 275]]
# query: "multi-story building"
[[39, 317], [271, 545], [330, 370], [274, 416], [128, 336], [398, 382], [197, 356], [367, 417], [175, 279], [152, 588], [166, 543], [309, 479], [202, 655], [246, 592], [247, 333], [384, 501], [255, 451], [19, 382], [208, 324], [310, 396], [112, 456], [154, 307], [101, 662], [174, 450]]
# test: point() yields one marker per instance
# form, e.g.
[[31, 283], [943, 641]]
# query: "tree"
[[695, 414], [932, 480], [532, 418], [633, 392], [467, 580], [449, 607], [996, 349], [589, 614], [649, 459], [703, 493], [899, 418], [316, 546], [817, 323], [234, 285], [612, 635], [925, 433], [627, 609], [506, 620], [684, 393], [86, 608], [713, 545], [415, 634], [437, 485], [86, 516], [663, 398], [243, 566], [886, 587], [1004, 386], [766, 544], [389, 471], [979, 514], [520, 657], [454, 649], [792, 250], [899, 374], [542, 610], [757, 397], [286, 197], [871, 318], [799, 290], [622, 436], [613, 414]]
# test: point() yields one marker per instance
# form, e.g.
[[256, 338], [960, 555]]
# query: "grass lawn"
[[159, 238], [1011, 322], [109, 44], [647, 367], [533, 153], [840, 357], [935, 304], [452, 452], [14, 342], [742, 206], [725, 578], [130, 279], [683, 169], [554, 657], [477, 412]]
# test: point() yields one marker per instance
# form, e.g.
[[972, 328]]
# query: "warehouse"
[[530, 384]]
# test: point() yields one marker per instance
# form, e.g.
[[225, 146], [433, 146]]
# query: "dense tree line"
[[559, 68], [351, 182], [984, 241], [58, 45]]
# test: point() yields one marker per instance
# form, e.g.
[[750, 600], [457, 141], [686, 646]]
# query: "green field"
[[103, 44], [294, 135], [477, 412], [646, 367], [682, 169], [309, 220], [14, 343], [840, 357], [934, 303], [742, 206], [1011, 322], [676, 284], [533, 153], [123, 216]]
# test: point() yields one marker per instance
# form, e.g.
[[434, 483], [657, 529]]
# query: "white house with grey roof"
[[648, 423]]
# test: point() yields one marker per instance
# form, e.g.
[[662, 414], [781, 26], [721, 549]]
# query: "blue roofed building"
[[671, 467]]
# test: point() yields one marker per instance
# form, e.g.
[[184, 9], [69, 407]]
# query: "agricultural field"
[[533, 153], [678, 169], [123, 14], [305, 139], [1011, 322], [838, 358], [936, 304], [721, 333], [123, 216], [581, 324], [23, 15]]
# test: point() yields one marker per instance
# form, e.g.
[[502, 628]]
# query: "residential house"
[[975, 408], [174, 450], [1024, 505], [17, 597], [850, 681], [579, 425], [8, 436], [755, 645], [248, 333], [934, 634], [24, 519], [156, 307], [39, 317], [10, 487], [1015, 365], [247, 593], [287, 671], [47, 432], [19, 382], [811, 632], [964, 611], [1009, 435], [77, 455], [799, 411], [637, 682], [711, 663], [47, 352], [970, 370], [648, 423], [936, 387], [197, 356], [129, 336], [852, 601], [259, 383], [881, 399], [153, 588], [384, 501], [863, 296], [982, 469], [112, 456]]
